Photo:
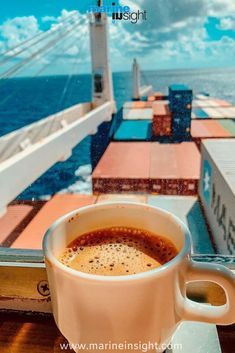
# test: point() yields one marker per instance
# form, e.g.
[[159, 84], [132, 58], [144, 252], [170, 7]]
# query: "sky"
[[176, 34]]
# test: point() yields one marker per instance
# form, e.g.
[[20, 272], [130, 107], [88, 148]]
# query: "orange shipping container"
[[161, 109], [143, 105], [151, 98], [124, 167], [222, 103], [158, 96], [162, 126], [137, 105], [60, 204], [162, 120], [207, 129], [174, 168], [170, 169]]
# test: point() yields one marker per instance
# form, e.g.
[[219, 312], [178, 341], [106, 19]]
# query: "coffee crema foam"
[[118, 251]]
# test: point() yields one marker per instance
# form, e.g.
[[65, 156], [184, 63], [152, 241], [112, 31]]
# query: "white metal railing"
[[20, 139], [29, 152]]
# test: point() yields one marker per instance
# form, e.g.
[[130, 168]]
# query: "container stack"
[[174, 169], [180, 102], [123, 168], [211, 108], [159, 96], [137, 105], [217, 191], [156, 96], [137, 114], [207, 129], [145, 167], [162, 120]]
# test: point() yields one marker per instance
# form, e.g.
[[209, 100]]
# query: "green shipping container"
[[229, 125]]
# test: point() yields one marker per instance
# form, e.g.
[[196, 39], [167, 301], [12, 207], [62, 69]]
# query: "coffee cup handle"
[[219, 315]]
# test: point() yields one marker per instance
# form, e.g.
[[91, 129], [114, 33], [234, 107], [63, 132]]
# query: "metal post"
[[136, 80], [102, 83]]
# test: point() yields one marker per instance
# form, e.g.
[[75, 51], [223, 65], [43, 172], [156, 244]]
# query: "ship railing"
[[27, 153], [19, 140]]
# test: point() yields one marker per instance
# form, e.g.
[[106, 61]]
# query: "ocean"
[[26, 100]]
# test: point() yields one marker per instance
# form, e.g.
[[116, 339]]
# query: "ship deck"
[[133, 168], [173, 187]]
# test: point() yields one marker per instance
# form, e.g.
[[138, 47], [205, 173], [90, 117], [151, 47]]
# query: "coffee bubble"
[[118, 251]]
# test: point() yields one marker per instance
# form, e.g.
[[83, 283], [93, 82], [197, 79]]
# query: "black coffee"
[[118, 251]]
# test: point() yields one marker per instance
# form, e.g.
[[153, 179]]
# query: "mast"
[[102, 83], [136, 80]]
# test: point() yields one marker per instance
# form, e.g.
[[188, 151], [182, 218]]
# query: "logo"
[[119, 13], [207, 182]]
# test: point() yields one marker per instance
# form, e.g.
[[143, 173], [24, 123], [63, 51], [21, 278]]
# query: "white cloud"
[[49, 19], [64, 49], [227, 23], [17, 30], [174, 30], [220, 8]]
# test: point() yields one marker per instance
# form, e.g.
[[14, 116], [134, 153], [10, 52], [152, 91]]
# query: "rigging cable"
[[61, 104], [41, 70], [42, 36], [8, 73]]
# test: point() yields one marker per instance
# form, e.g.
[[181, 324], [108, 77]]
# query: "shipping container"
[[181, 124], [222, 103], [214, 113], [122, 197], [15, 219], [180, 98], [160, 109], [227, 112], [137, 105], [134, 130], [32, 235], [174, 168], [170, 169], [162, 126], [162, 120], [138, 114], [229, 125], [188, 209], [200, 113], [217, 191], [159, 96], [124, 168], [206, 103], [204, 129]]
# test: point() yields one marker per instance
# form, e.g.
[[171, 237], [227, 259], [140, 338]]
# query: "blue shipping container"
[[201, 114], [134, 130], [181, 123], [180, 97]]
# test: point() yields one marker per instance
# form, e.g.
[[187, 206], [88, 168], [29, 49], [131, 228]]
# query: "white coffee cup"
[[142, 308]]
